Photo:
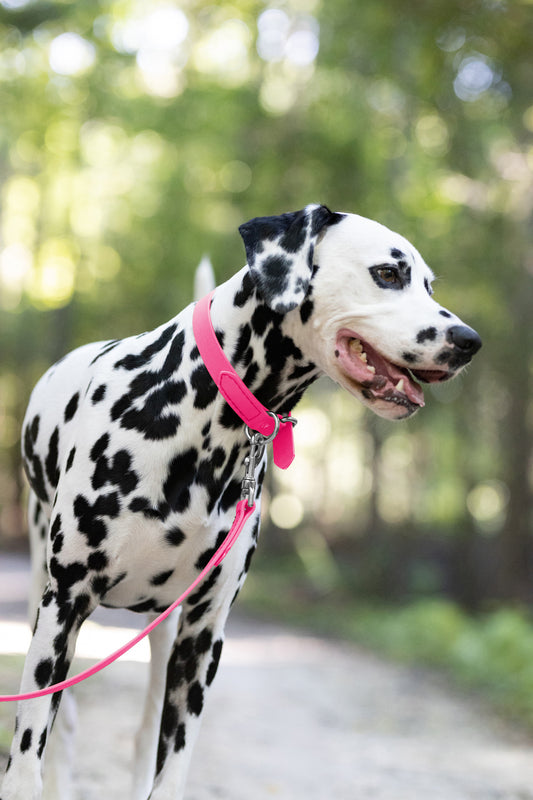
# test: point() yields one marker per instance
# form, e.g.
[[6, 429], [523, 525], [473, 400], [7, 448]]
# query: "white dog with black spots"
[[135, 463]]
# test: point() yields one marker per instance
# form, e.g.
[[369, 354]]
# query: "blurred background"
[[136, 136]]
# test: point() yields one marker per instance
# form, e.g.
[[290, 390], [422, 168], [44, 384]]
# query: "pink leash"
[[268, 427]]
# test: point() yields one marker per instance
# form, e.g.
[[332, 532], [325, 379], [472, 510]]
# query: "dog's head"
[[357, 299]]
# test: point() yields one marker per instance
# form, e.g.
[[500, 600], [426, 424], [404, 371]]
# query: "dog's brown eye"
[[388, 275]]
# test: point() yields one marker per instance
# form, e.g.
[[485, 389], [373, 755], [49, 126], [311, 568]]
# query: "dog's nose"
[[464, 338]]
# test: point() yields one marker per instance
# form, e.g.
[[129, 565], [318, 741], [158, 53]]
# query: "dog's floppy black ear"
[[280, 253]]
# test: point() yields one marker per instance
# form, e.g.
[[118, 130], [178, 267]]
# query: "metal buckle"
[[290, 419], [258, 442]]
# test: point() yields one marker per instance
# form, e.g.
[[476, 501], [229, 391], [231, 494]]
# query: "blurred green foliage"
[[135, 137], [492, 653], [489, 653]]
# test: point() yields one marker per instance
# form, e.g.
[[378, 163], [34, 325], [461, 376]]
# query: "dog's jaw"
[[384, 386]]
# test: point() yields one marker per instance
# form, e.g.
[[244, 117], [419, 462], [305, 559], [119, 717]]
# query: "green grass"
[[491, 653]]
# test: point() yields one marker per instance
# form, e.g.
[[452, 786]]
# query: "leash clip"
[[249, 483]]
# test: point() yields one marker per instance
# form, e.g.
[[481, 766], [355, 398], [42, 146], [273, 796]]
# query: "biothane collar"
[[236, 393]]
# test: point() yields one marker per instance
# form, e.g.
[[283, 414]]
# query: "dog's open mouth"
[[378, 377]]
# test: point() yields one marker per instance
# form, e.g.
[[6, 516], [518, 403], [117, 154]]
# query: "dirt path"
[[292, 716]]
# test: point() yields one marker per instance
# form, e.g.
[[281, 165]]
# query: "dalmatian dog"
[[135, 463]]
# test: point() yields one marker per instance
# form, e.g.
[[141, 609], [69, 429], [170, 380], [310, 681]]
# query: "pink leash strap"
[[244, 511], [234, 391]]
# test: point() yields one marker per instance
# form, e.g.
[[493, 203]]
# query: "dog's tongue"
[[383, 378]]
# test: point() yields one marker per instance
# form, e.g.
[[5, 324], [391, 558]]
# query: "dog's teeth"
[[356, 346], [400, 385], [371, 369], [363, 356]]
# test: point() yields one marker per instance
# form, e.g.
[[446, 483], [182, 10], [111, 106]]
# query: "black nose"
[[464, 338]]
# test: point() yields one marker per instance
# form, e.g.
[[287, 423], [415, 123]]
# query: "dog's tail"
[[204, 278]]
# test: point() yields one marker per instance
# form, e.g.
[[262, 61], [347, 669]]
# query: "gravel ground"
[[294, 716]]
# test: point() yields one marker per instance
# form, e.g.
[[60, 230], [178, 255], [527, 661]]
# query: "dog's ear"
[[280, 253]]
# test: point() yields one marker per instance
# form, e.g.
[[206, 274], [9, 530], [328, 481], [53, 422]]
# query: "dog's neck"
[[256, 342]]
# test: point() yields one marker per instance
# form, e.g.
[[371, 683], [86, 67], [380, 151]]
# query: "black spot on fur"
[[136, 361], [142, 504], [162, 751], [43, 672], [175, 536], [411, 358], [99, 447], [207, 555], [89, 516], [261, 318], [149, 419], [445, 356], [205, 587], [100, 585], [181, 475], [306, 309], [444, 313], [231, 495], [105, 350], [274, 277], [229, 419], [161, 578], [179, 741], [249, 557], [198, 612], [98, 394], [72, 407], [42, 743], [70, 459], [56, 527], [33, 464], [162, 392], [215, 659], [97, 561], [195, 699], [395, 253], [243, 343], [51, 463], [116, 471], [169, 720], [300, 371], [67, 576], [204, 387], [25, 742], [426, 335], [244, 292], [203, 641]]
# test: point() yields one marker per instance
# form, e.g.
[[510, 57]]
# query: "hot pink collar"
[[235, 392]]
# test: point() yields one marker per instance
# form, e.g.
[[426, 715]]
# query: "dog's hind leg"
[[58, 621], [57, 777], [161, 640]]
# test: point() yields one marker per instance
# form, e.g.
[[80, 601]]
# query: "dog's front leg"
[[47, 662], [191, 669], [161, 640]]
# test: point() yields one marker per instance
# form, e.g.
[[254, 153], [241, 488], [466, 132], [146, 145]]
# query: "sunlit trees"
[[136, 136]]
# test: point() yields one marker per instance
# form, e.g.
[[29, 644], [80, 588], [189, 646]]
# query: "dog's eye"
[[387, 277]]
